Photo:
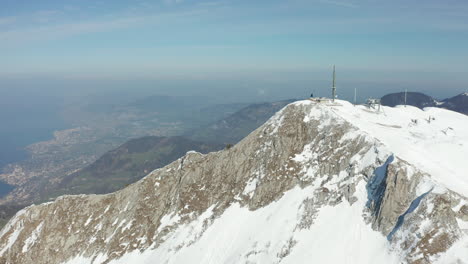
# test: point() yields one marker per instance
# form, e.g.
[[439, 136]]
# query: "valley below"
[[52, 164]]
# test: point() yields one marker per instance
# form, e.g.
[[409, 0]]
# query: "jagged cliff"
[[317, 183]]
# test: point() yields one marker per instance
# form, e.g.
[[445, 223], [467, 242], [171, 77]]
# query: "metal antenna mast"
[[334, 87], [406, 93], [355, 91]]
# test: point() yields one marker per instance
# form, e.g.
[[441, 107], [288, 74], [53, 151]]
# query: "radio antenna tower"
[[355, 91], [406, 94], [334, 86]]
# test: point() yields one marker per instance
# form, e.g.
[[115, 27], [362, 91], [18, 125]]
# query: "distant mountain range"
[[419, 100], [238, 125], [457, 103]]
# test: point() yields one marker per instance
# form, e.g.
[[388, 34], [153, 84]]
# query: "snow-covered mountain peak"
[[434, 139], [320, 182]]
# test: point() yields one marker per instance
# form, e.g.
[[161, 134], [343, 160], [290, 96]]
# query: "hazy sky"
[[399, 43]]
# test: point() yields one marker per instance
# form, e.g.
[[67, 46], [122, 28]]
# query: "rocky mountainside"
[[102, 127], [127, 164], [113, 171], [127, 167], [319, 182], [236, 126], [419, 100]]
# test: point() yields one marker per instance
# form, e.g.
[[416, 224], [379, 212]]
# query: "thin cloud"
[[211, 3], [339, 3], [7, 20], [19, 36], [173, 1], [44, 16], [71, 8], [24, 35]]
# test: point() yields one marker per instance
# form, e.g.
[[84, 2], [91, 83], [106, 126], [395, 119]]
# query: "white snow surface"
[[33, 238], [16, 231], [269, 234], [438, 147]]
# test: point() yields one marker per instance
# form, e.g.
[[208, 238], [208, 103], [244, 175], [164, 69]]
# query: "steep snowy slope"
[[437, 143], [317, 183]]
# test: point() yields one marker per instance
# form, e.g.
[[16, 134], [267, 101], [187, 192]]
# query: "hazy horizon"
[[57, 53], [377, 46]]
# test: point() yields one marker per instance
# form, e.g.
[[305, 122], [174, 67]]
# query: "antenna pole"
[[406, 94], [355, 96], [334, 86]]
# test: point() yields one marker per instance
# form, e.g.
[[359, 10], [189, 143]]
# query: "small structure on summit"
[[373, 104]]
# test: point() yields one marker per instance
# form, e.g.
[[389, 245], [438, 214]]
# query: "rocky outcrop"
[[416, 217]]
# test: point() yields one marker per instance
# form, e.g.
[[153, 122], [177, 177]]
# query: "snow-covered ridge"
[[435, 140], [317, 183]]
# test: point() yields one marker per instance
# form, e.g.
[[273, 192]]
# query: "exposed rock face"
[[428, 230], [305, 148]]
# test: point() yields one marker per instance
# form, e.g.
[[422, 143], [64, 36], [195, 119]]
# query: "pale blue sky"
[[403, 43]]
